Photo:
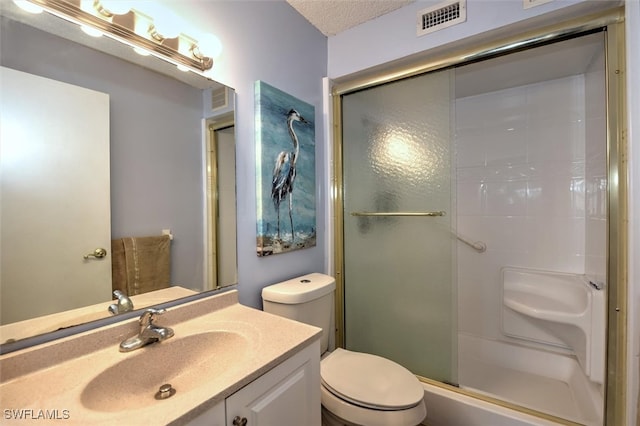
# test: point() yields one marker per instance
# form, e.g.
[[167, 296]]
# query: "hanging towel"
[[140, 264]]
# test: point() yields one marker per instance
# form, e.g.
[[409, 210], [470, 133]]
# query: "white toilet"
[[357, 388]]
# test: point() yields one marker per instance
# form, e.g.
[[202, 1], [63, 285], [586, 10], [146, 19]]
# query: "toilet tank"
[[308, 299]]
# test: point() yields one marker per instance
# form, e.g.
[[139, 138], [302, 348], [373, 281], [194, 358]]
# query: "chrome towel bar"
[[427, 214], [478, 246]]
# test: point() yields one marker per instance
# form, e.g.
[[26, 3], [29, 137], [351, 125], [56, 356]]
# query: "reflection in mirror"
[[153, 184], [38, 227], [222, 262]]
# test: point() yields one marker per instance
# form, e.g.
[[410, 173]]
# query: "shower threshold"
[[544, 381]]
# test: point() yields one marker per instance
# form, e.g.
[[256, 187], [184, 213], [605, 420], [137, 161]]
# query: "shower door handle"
[[385, 214]]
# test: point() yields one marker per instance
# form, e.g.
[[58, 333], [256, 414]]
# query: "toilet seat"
[[346, 413], [370, 381]]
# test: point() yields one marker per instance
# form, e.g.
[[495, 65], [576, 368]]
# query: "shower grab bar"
[[429, 214], [478, 246]]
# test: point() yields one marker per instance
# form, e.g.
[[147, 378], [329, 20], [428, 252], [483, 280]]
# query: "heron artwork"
[[284, 171]]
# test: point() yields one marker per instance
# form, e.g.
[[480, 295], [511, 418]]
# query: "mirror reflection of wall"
[[156, 149]]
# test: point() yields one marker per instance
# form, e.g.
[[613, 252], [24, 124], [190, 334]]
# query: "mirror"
[[157, 120]]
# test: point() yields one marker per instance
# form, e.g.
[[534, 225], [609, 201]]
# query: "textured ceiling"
[[334, 16]]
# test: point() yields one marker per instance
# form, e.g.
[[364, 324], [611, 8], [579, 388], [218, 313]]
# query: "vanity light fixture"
[[28, 7], [131, 27], [141, 52], [90, 31]]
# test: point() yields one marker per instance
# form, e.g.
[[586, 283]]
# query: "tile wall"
[[522, 181]]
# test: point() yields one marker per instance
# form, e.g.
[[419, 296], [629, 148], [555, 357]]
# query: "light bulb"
[[87, 6], [167, 24], [141, 52], [28, 6], [182, 68], [91, 31], [209, 45]]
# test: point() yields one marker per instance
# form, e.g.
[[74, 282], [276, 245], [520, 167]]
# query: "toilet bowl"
[[357, 388], [366, 389]]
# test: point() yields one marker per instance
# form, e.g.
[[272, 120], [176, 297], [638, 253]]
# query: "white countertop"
[[54, 376]]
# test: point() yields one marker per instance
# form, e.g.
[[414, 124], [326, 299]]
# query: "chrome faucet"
[[124, 303], [149, 332]]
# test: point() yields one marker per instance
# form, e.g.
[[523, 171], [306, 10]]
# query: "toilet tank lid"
[[300, 290]]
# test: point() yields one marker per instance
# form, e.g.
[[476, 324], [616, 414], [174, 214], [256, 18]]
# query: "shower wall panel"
[[520, 159]]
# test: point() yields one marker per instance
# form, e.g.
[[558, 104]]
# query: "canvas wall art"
[[285, 170]]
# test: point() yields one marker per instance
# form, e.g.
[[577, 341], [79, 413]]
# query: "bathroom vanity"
[[227, 364], [282, 396]]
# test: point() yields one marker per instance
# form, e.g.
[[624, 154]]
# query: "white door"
[[54, 196]]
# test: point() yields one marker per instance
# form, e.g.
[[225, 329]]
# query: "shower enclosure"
[[398, 248], [453, 178]]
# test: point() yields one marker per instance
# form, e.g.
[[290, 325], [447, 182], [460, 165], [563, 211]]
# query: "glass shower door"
[[399, 252]]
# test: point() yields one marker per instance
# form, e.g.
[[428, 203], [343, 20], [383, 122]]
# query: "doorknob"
[[98, 253]]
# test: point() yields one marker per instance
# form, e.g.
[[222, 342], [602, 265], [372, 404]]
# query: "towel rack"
[[425, 214], [478, 246], [167, 232]]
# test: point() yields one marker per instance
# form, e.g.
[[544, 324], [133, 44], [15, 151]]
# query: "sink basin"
[[185, 362]]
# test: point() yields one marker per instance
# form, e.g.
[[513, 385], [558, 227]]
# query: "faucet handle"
[[149, 315]]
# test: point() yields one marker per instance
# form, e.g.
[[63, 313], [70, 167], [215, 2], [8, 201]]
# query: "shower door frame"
[[613, 22]]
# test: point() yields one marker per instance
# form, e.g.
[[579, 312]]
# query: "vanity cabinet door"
[[287, 395], [212, 417]]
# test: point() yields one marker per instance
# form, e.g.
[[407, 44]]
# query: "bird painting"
[[284, 172]]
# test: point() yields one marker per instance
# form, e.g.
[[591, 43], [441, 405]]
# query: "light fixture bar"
[[164, 48]]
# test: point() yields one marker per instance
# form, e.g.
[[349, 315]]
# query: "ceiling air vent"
[[442, 15]]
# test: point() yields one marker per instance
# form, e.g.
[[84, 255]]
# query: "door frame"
[[212, 243], [613, 22]]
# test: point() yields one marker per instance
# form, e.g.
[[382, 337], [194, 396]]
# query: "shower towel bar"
[[478, 246], [436, 213]]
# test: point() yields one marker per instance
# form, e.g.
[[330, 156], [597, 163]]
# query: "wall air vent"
[[219, 98], [442, 15]]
